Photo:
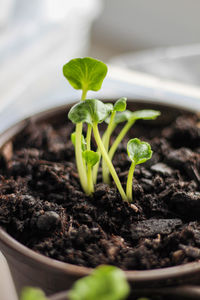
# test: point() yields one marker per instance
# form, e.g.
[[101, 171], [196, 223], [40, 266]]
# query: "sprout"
[[105, 283], [88, 74], [91, 159], [84, 74], [93, 112], [119, 106], [132, 117], [139, 152]]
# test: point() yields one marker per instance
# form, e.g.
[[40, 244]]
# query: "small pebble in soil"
[[162, 169], [190, 251], [152, 227], [186, 203], [48, 220]]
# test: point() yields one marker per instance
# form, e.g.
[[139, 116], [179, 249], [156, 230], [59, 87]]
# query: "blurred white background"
[[38, 37], [131, 25]]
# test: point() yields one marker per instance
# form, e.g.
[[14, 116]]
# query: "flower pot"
[[31, 268]]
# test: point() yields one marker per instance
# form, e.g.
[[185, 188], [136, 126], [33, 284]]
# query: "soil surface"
[[43, 207]]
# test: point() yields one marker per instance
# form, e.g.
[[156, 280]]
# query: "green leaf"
[[85, 73], [120, 117], [138, 151], [73, 139], [29, 293], [89, 111], [145, 114], [105, 283], [120, 105], [91, 157]]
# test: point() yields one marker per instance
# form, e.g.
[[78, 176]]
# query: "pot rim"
[[131, 275]]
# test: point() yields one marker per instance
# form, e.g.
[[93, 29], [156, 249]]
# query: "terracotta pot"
[[30, 268]]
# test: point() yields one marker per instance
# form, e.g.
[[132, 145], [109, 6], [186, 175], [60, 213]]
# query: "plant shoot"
[[88, 74], [138, 152], [84, 74]]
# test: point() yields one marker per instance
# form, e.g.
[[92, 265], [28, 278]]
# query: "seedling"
[[84, 74], [139, 152], [130, 118], [119, 106], [91, 159], [93, 112], [105, 283], [88, 74]]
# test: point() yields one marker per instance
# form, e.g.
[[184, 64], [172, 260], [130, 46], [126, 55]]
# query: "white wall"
[[140, 24]]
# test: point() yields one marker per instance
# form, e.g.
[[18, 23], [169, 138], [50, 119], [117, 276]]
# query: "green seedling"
[[91, 159], [84, 74], [88, 74], [130, 118], [105, 283], [119, 106], [93, 112], [138, 152]]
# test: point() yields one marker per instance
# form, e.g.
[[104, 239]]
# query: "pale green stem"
[[80, 162], [88, 137], [129, 185], [90, 180], [84, 93], [108, 162], [79, 158], [106, 140], [96, 167], [120, 137], [89, 168]]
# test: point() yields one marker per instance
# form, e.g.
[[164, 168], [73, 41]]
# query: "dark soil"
[[43, 206]]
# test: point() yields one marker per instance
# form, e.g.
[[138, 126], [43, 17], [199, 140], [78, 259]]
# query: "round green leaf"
[[91, 157], [89, 111], [120, 104], [105, 283], [138, 151], [145, 114], [85, 73]]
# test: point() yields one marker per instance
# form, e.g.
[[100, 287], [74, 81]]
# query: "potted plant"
[[148, 233]]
